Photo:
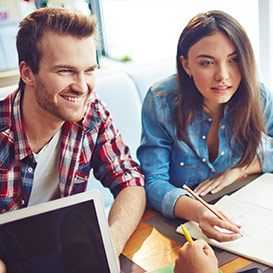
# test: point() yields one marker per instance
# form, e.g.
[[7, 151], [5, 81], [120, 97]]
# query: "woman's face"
[[213, 64]]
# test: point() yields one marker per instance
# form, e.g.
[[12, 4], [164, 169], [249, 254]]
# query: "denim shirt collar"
[[202, 116]]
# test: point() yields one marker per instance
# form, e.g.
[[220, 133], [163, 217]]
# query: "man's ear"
[[185, 64], [26, 74]]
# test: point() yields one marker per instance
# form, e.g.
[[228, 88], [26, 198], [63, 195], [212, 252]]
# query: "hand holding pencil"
[[206, 260], [220, 227], [196, 257]]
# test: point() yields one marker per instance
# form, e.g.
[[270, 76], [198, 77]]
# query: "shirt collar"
[[202, 116], [21, 146], [92, 115]]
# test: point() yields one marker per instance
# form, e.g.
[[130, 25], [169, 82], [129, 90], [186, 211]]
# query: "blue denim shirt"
[[168, 163]]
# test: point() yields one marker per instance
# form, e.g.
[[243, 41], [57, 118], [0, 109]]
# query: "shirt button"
[[204, 159], [181, 164], [210, 119], [222, 153], [203, 137], [30, 170], [223, 127], [23, 202]]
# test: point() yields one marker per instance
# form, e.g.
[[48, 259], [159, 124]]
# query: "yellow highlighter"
[[186, 234]]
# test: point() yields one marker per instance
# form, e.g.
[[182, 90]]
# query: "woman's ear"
[[185, 64], [26, 74]]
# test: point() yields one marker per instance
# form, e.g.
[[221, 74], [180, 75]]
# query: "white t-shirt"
[[46, 176]]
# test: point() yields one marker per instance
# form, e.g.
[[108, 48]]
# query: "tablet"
[[67, 235]]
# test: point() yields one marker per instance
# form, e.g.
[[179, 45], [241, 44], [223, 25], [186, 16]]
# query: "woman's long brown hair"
[[245, 115]]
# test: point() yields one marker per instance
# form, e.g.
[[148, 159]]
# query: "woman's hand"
[[196, 257], [215, 228], [219, 181]]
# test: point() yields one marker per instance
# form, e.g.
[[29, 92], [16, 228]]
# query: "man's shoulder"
[[5, 112]]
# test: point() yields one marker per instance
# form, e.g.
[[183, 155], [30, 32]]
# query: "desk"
[[150, 249]]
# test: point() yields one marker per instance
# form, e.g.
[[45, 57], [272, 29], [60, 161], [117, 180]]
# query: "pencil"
[[203, 202], [186, 234]]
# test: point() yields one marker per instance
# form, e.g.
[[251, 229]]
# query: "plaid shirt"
[[93, 142]]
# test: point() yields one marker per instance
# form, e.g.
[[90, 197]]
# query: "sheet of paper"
[[258, 192], [257, 242]]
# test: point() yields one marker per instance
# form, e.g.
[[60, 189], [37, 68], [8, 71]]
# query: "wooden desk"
[[150, 249]]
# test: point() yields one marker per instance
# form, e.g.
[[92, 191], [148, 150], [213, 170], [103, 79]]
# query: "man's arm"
[[125, 215]]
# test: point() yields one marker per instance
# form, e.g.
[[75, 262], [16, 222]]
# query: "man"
[[54, 129]]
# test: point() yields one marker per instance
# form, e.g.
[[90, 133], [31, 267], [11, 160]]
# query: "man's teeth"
[[72, 99]]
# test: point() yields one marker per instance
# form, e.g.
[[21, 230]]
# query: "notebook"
[[67, 235], [251, 206]]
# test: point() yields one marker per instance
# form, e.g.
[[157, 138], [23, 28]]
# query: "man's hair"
[[245, 116], [58, 20]]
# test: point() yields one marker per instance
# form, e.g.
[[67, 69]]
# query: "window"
[[149, 29]]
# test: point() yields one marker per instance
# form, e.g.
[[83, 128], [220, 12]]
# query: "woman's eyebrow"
[[233, 53], [211, 57], [204, 56]]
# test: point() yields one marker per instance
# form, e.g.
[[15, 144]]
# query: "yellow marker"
[[186, 234]]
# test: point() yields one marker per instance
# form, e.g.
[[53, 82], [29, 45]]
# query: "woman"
[[208, 125]]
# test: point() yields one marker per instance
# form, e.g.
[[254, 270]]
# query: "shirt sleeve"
[[112, 162], [265, 152], [154, 155]]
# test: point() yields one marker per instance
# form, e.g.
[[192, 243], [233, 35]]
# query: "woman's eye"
[[235, 60], [206, 63]]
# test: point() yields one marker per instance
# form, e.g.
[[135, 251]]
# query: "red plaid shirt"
[[93, 142]]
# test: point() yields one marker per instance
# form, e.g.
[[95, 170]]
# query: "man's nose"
[[80, 83]]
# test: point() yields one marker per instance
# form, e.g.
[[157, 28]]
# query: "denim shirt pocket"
[[184, 167]]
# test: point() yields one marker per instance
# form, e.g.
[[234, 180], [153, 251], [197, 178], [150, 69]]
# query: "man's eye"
[[90, 70], [65, 71]]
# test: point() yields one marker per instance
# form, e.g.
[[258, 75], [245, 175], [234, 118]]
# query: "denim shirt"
[[168, 163]]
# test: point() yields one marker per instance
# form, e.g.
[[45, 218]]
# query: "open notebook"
[[68, 235], [252, 207]]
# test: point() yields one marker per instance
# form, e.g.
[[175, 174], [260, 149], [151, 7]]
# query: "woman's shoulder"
[[168, 84], [164, 90], [162, 97], [266, 93]]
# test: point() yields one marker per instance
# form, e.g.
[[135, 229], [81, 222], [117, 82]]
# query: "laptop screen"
[[63, 240]]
